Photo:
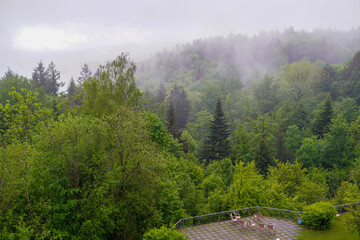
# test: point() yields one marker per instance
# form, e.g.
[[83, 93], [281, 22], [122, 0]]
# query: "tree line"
[[105, 160]]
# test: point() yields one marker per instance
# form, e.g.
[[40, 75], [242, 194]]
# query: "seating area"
[[253, 222], [253, 229]]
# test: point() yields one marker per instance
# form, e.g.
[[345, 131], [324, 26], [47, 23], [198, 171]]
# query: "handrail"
[[221, 216]]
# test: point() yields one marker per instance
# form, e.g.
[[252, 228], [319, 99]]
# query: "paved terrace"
[[285, 229]]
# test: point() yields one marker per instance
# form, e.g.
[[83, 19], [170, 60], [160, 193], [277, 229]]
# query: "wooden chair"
[[243, 223], [236, 216], [252, 224], [261, 227], [270, 228], [233, 219], [258, 216]]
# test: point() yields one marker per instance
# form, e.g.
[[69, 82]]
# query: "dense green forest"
[[215, 125]]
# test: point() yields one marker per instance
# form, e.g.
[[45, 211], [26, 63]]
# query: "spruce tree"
[[323, 119], [40, 75], [84, 74], [161, 94], [262, 156], [52, 84], [181, 104], [70, 92], [217, 145], [9, 73], [171, 121]]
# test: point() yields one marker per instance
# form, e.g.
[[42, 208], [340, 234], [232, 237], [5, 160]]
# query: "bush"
[[319, 215], [163, 233]]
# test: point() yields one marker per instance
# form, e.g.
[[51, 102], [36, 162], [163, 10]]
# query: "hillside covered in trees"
[[215, 125]]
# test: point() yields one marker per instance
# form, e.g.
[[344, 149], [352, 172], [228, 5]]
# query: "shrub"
[[319, 215], [163, 233]]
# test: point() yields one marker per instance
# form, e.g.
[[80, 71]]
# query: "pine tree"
[[161, 94], [84, 74], [262, 156], [323, 119], [171, 122], [52, 84], [70, 92], [9, 73], [217, 145], [40, 75], [181, 104]]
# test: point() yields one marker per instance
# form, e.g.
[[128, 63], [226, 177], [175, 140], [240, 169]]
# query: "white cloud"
[[77, 36], [47, 38]]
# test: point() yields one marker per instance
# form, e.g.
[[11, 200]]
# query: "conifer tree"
[[181, 104], [160, 94], [171, 121], [70, 92], [84, 74], [52, 84], [217, 145], [40, 75], [262, 156], [9, 73], [323, 119]]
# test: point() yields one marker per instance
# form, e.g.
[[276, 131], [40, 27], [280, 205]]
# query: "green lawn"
[[338, 231]]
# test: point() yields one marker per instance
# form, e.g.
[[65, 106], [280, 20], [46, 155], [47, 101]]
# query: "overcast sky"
[[72, 32]]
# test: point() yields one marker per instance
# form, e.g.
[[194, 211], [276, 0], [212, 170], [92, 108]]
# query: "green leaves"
[[115, 87], [21, 116], [319, 215]]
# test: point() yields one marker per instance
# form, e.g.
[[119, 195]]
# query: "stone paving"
[[285, 229]]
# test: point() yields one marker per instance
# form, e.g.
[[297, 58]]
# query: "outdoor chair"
[[243, 223], [258, 216], [270, 228], [236, 216], [233, 219], [261, 226], [252, 224]]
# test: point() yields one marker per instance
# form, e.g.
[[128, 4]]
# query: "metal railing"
[[243, 212], [343, 208], [250, 211]]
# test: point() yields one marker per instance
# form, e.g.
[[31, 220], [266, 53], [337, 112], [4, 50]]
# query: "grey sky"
[[72, 32]]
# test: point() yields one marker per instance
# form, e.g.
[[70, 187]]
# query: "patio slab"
[[285, 229]]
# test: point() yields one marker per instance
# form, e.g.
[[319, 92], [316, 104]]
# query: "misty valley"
[[126, 150]]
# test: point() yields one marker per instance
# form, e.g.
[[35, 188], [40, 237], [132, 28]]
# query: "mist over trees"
[[214, 125]]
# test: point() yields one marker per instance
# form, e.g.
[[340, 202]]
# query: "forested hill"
[[219, 124], [244, 57]]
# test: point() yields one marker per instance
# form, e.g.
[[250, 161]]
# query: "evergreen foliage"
[[161, 94], [262, 156], [323, 119], [181, 105], [40, 75], [171, 121], [217, 145], [97, 165], [84, 74]]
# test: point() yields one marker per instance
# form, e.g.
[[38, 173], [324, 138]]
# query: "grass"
[[338, 231]]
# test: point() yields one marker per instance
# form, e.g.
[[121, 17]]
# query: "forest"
[[213, 125]]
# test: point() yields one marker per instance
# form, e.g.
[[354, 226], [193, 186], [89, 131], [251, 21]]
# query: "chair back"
[[261, 226], [270, 227]]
